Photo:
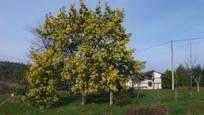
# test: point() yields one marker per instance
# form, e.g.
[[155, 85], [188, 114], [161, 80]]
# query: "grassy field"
[[71, 105]]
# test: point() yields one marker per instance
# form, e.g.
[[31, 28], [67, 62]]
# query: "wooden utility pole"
[[172, 65], [191, 66]]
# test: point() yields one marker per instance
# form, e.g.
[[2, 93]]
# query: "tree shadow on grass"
[[76, 100], [66, 100], [104, 98], [99, 99]]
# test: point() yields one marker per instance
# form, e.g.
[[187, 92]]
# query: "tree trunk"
[[83, 99], [198, 87], [69, 88], [43, 108], [111, 98], [132, 84], [138, 93]]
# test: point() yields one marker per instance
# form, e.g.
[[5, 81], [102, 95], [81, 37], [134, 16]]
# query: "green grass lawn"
[[98, 105]]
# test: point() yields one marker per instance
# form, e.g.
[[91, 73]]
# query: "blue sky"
[[150, 21]]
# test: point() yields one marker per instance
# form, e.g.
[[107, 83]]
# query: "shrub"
[[148, 111], [21, 90]]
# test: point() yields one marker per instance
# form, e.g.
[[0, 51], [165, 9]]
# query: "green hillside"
[[98, 105]]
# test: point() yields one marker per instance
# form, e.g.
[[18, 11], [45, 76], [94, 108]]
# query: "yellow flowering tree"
[[103, 61], [87, 48], [42, 79], [106, 41]]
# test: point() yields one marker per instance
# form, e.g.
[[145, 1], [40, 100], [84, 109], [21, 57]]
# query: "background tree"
[[182, 77], [202, 78], [12, 72], [197, 75], [13, 77], [166, 79]]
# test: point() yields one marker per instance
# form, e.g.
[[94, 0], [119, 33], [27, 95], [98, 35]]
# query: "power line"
[[168, 42], [151, 47], [189, 39]]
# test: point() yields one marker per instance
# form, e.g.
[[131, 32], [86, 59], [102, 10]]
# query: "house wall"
[[144, 84], [129, 83], [157, 80]]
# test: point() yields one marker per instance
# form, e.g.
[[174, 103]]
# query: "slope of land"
[[98, 105]]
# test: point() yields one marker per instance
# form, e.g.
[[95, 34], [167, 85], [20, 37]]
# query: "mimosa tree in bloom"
[[42, 79], [105, 48], [103, 61], [89, 50]]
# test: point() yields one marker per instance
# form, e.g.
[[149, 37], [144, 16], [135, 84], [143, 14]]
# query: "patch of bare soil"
[[148, 111]]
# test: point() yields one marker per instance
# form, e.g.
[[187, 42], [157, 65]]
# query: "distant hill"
[[12, 71]]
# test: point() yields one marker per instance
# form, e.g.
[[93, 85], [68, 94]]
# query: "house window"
[[150, 84], [150, 77]]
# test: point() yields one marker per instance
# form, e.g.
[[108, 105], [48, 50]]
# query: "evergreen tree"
[[166, 79], [182, 76], [12, 71]]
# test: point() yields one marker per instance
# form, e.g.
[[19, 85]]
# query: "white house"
[[149, 80]]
